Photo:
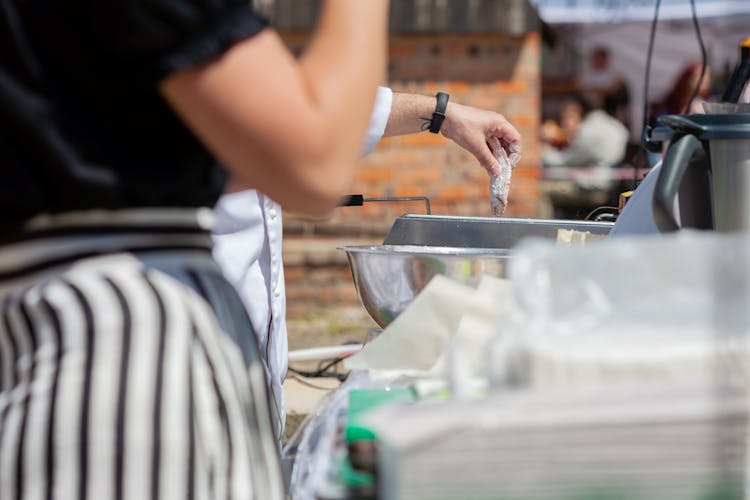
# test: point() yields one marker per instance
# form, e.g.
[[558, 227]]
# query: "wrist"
[[449, 124], [435, 122]]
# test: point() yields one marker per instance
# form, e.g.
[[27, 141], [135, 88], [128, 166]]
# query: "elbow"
[[323, 170], [307, 177], [321, 188], [307, 169]]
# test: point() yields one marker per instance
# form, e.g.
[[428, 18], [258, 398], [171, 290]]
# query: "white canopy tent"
[[622, 11], [623, 27]]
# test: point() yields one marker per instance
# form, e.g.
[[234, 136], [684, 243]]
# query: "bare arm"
[[291, 129], [466, 126]]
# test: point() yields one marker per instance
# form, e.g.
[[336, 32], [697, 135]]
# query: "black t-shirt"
[[81, 122]]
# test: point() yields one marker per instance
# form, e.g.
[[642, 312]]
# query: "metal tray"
[[480, 232]]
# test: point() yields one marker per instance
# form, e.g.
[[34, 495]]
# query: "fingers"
[[509, 137], [488, 150], [484, 151], [514, 153], [487, 159]]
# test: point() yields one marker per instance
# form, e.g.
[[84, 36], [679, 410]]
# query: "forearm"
[[409, 113]]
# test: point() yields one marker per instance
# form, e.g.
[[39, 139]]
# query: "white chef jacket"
[[247, 246]]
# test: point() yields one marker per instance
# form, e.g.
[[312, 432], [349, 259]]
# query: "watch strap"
[[439, 115]]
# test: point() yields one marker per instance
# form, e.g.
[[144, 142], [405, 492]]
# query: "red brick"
[[520, 121], [294, 273], [347, 293], [457, 87], [405, 49], [296, 293], [406, 190], [374, 174], [453, 193], [419, 176], [327, 294]]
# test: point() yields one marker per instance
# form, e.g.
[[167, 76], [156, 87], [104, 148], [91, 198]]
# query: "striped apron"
[[121, 376]]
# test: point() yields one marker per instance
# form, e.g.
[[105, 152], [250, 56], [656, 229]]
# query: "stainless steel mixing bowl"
[[388, 277]]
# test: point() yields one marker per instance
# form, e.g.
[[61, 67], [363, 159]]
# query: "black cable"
[[322, 369], [704, 58], [331, 363], [322, 372], [650, 52], [601, 210], [646, 128]]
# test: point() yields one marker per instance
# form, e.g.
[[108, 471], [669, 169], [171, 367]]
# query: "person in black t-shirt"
[[128, 368]]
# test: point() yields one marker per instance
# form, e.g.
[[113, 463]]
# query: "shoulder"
[[152, 38]]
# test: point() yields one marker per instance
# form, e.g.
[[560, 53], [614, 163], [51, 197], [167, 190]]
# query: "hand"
[[471, 127]]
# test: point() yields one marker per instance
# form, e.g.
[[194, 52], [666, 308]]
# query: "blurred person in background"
[[593, 137], [599, 81], [594, 141], [248, 232], [127, 370]]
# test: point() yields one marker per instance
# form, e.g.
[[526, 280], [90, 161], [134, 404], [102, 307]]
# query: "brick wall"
[[491, 71]]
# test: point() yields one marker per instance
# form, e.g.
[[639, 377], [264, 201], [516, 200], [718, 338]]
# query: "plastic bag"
[[629, 310]]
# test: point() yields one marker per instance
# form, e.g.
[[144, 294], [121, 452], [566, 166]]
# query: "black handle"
[[681, 150], [352, 200], [356, 200]]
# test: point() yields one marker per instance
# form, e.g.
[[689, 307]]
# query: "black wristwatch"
[[439, 115]]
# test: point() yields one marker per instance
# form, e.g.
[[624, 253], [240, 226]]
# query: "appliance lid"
[[705, 126]]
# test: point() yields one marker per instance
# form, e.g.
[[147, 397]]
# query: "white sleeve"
[[381, 111]]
